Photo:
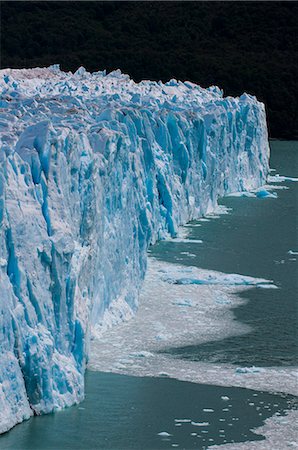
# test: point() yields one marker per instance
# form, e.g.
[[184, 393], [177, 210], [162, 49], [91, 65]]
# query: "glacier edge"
[[94, 168]]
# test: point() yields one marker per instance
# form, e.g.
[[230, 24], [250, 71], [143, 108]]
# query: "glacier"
[[94, 168]]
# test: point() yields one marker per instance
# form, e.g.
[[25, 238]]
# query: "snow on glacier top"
[[114, 88], [52, 81], [80, 100]]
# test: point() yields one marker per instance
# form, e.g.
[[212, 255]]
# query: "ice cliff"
[[93, 169]]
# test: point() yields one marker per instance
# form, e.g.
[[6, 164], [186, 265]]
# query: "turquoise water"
[[254, 239], [122, 412]]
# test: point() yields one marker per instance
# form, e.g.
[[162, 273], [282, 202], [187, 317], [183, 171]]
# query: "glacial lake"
[[125, 412], [122, 412], [258, 238]]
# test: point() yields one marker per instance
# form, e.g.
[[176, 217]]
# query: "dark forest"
[[239, 46]]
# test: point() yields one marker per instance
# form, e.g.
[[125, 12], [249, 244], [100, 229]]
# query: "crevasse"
[[93, 169]]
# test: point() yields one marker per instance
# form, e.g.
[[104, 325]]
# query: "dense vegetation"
[[240, 46]]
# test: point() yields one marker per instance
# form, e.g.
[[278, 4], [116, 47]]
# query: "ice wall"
[[93, 169]]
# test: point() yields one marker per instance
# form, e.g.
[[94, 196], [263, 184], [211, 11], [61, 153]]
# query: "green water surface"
[[254, 239]]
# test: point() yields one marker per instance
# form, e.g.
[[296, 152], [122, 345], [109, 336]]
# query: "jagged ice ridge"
[[93, 169]]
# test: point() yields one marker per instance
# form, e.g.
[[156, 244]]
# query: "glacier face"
[[93, 169]]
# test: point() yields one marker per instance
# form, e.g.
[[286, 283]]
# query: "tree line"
[[239, 46]]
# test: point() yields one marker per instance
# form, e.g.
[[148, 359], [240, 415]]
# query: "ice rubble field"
[[95, 168], [137, 347]]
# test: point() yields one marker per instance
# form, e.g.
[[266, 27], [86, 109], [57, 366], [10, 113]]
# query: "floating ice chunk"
[[186, 241], [183, 420], [242, 194], [142, 354], [164, 434], [222, 301], [225, 398], [208, 410], [293, 252], [119, 366], [267, 286], [279, 187], [221, 279], [192, 225], [280, 178], [263, 193], [125, 361], [162, 337], [200, 424], [252, 369], [183, 302], [218, 211]]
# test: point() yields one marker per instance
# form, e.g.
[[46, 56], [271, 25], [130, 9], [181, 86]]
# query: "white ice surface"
[[281, 433], [280, 178], [93, 169], [164, 309]]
